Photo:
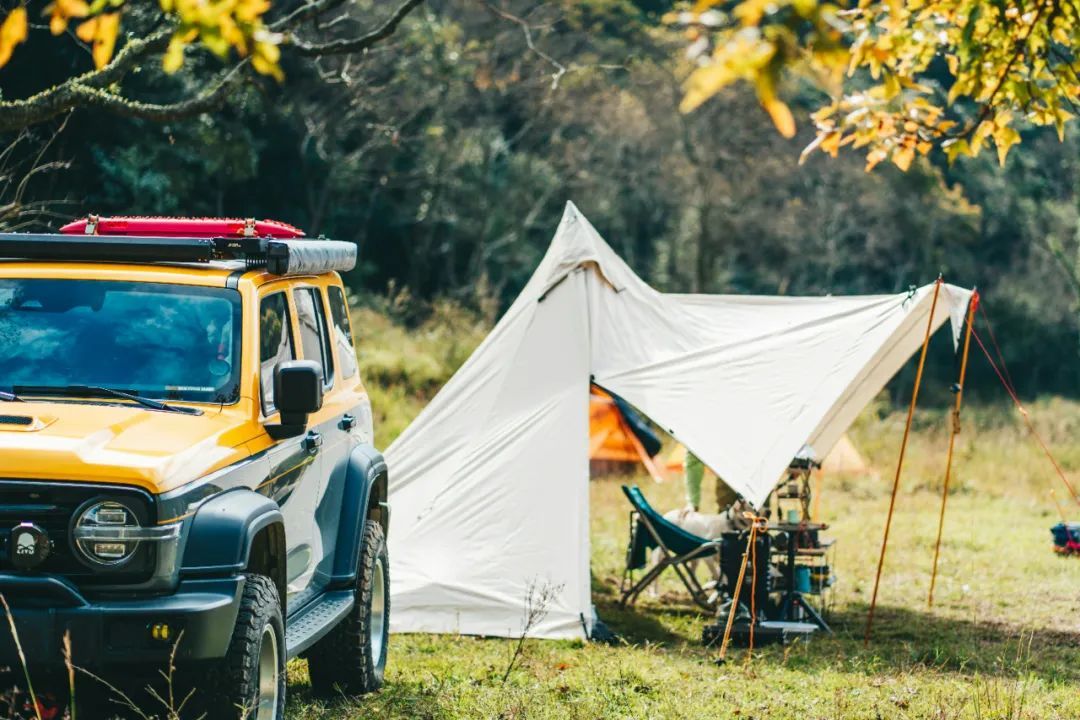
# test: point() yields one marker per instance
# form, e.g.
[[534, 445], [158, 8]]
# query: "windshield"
[[169, 342]]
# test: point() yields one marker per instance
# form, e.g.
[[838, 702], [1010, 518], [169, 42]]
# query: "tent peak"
[[577, 244]]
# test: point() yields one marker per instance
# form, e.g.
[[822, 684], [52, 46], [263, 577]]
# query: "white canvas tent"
[[489, 485]]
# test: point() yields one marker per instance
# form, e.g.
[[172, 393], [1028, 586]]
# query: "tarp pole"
[[900, 461], [953, 430], [758, 524], [751, 537]]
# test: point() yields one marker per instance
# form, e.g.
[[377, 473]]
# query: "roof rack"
[[279, 256]]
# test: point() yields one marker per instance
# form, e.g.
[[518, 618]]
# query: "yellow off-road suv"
[[186, 458]]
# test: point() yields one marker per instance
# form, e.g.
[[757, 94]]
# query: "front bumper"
[[201, 615]]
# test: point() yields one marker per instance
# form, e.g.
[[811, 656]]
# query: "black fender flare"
[[223, 530], [364, 497]]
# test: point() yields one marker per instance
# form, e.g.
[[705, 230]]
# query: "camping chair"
[[648, 530]]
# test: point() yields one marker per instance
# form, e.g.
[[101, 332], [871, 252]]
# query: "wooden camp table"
[[792, 597]]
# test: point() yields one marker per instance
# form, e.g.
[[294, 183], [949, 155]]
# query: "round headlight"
[[103, 533]]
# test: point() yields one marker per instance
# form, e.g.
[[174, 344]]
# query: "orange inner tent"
[[610, 440]]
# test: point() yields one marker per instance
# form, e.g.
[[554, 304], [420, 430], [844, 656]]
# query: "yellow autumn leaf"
[[955, 148], [61, 12], [265, 60], [750, 12], [892, 86], [874, 157], [214, 42], [777, 109], [232, 34], [105, 42], [12, 32], [703, 83], [248, 11], [902, 157], [101, 32], [781, 116], [1004, 139], [1061, 116], [173, 59], [87, 30], [831, 143]]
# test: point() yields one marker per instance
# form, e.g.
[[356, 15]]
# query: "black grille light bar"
[[278, 256]]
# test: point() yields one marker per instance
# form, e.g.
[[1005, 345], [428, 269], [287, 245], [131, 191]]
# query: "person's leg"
[[695, 471], [725, 496]]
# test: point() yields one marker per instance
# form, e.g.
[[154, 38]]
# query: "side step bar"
[[316, 620]]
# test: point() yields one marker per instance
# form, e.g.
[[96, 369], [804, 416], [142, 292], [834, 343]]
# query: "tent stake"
[[952, 442], [900, 461]]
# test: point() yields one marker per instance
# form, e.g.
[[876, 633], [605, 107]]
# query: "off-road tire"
[[344, 659], [234, 681]]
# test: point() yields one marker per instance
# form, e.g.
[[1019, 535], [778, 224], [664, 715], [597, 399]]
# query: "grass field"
[[1001, 643]]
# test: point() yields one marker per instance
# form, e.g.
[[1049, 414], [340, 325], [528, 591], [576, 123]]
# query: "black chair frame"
[[706, 596]]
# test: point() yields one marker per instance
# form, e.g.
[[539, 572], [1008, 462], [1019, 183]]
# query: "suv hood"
[[115, 443]]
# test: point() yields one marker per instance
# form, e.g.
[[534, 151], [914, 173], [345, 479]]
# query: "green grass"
[[1001, 643], [404, 367]]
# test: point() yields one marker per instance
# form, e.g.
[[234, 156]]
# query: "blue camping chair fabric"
[[678, 548]]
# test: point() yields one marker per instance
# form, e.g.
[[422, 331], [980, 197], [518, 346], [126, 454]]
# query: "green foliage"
[[903, 77]]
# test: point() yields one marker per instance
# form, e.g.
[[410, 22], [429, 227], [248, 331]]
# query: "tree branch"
[[87, 89], [19, 114], [73, 92], [127, 59], [304, 12], [353, 45], [526, 30], [210, 99]]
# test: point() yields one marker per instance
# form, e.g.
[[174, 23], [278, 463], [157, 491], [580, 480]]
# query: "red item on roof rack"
[[181, 227]]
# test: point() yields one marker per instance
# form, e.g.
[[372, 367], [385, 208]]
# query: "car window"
[[314, 335], [275, 343], [339, 308], [156, 340]]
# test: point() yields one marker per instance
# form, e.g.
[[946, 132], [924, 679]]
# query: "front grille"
[[52, 507]]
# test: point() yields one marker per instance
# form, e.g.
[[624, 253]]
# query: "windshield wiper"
[[99, 391], [9, 397]]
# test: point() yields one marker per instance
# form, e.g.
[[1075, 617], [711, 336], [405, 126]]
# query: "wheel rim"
[[269, 676], [377, 625]]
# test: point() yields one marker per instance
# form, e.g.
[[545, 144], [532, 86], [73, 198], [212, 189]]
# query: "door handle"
[[348, 422], [313, 442]]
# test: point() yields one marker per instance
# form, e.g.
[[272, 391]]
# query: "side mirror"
[[298, 392]]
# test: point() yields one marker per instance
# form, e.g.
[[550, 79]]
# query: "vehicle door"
[[327, 428], [344, 419], [295, 464]]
